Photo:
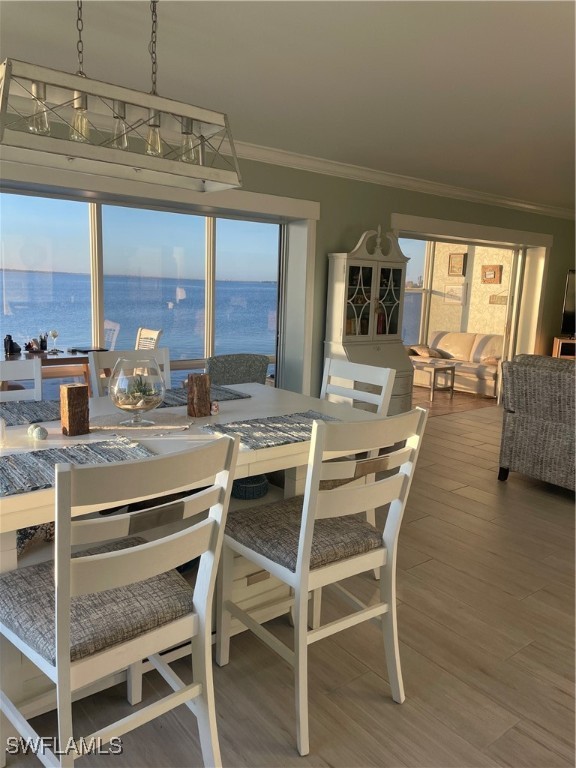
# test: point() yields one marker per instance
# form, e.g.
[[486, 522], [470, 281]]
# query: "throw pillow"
[[490, 360], [420, 349], [426, 351]]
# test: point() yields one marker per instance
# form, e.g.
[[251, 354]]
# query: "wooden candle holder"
[[74, 411], [198, 394]]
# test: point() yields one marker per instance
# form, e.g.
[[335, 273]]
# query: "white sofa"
[[476, 356]]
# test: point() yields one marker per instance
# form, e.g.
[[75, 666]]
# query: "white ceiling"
[[478, 95]]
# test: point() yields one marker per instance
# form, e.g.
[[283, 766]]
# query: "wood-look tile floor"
[[486, 620], [443, 404]]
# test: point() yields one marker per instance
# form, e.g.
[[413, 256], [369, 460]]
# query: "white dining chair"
[[111, 331], [13, 372], [146, 338], [357, 383], [102, 364], [362, 386], [94, 613], [317, 540]]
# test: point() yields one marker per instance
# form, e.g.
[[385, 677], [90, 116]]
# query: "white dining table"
[[36, 507], [19, 678]]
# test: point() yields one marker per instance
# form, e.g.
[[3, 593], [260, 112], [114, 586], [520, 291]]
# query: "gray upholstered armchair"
[[538, 429]]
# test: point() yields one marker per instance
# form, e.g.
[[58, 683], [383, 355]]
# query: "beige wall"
[[476, 314], [348, 208]]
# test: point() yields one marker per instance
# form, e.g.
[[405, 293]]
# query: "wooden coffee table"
[[435, 369]]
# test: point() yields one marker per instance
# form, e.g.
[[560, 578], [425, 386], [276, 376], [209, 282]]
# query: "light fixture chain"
[[80, 43], [152, 45]]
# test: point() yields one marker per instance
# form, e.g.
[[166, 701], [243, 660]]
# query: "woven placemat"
[[23, 472], [271, 430], [17, 412]]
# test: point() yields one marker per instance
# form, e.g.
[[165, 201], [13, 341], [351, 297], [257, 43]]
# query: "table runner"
[[16, 412], [271, 430], [175, 397], [23, 472]]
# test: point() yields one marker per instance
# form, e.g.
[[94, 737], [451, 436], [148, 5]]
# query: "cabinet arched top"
[[363, 251]]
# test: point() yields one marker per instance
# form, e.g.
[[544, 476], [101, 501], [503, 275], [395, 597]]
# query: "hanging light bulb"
[[189, 148], [80, 130], [154, 140], [120, 140], [39, 122]]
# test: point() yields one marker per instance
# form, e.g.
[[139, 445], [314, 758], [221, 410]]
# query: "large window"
[[158, 270], [246, 287], [458, 287], [415, 250], [154, 268], [45, 265]]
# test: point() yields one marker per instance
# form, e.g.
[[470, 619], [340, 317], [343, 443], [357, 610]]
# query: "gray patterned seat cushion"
[[273, 530], [98, 621]]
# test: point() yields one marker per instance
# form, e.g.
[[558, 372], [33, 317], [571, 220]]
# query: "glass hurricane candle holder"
[[136, 386]]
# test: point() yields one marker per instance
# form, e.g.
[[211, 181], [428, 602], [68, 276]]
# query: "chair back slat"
[[350, 393], [124, 524], [102, 364], [353, 383], [352, 499], [15, 371], [376, 435], [129, 481], [109, 570]]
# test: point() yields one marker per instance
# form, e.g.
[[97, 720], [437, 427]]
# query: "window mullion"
[[96, 273], [210, 286]]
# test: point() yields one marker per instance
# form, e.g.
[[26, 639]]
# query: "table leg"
[[433, 375]]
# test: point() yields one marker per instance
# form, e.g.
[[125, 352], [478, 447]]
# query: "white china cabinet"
[[364, 311]]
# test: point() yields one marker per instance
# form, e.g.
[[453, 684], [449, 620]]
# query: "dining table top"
[[173, 431]]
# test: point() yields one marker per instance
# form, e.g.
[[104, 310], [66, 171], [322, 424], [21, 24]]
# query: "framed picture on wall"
[[491, 273], [457, 264], [455, 294]]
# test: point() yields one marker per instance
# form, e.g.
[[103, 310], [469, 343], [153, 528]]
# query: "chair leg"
[[224, 617], [134, 683], [205, 704], [390, 631], [65, 733], [301, 670]]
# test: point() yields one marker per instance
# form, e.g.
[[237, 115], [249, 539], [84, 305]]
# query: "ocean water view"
[[35, 302]]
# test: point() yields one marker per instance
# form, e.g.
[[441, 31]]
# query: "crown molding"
[[272, 156]]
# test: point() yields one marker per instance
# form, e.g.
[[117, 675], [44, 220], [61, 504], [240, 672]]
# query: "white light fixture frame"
[[220, 165]]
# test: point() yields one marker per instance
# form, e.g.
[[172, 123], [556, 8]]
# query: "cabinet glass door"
[[387, 321], [358, 300]]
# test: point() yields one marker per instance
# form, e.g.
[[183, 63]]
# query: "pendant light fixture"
[[70, 122]]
